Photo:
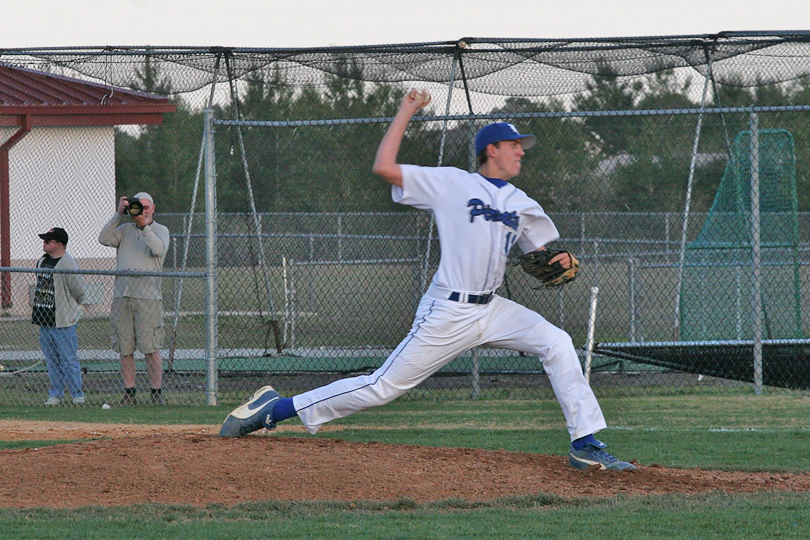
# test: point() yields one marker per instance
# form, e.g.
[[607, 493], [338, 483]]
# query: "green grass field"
[[722, 432]]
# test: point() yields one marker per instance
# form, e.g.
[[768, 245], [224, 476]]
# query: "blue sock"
[[283, 409], [578, 444]]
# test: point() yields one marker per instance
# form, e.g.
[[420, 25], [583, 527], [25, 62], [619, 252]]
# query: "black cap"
[[57, 233]]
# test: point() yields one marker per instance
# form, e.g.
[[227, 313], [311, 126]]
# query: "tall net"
[[717, 287], [318, 273]]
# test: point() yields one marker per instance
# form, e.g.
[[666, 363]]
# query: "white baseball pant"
[[442, 330]]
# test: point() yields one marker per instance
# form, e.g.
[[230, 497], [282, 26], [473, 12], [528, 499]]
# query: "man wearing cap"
[[137, 309], [57, 309], [479, 217]]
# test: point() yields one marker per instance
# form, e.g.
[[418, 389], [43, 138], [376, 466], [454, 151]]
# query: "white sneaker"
[[78, 400], [53, 401]]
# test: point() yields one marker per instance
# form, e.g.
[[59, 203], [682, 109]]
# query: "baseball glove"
[[538, 265]]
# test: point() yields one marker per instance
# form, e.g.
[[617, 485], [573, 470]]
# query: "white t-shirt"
[[478, 223]]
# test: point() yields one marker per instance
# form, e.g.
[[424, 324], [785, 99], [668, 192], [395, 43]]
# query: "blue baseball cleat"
[[594, 455], [254, 414]]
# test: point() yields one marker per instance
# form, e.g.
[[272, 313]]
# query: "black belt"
[[471, 298]]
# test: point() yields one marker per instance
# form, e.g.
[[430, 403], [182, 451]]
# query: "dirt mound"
[[191, 465]]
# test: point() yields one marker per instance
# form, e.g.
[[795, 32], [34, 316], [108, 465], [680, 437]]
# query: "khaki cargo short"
[[136, 323]]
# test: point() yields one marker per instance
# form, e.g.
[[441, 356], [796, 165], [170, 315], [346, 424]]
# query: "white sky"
[[319, 23]]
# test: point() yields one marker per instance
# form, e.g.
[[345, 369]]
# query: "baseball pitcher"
[[479, 217]]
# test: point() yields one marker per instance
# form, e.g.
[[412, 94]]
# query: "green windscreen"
[[716, 296]]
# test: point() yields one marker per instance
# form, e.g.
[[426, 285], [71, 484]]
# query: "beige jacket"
[[138, 250]]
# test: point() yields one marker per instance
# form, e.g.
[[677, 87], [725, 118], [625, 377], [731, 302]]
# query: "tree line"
[[607, 163]]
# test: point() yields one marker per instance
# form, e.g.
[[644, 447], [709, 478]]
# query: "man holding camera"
[[137, 309]]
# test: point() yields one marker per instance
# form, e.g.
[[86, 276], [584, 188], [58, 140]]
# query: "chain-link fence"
[[691, 232]]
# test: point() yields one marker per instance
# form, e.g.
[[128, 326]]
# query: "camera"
[[135, 207]]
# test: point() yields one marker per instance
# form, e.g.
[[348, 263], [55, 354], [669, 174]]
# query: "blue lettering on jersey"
[[478, 208]]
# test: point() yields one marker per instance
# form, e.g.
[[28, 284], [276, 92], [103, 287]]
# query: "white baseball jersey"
[[478, 220], [478, 223]]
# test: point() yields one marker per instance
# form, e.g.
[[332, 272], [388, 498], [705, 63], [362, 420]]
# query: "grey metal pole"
[[339, 238], [475, 356], [688, 202], [211, 325], [257, 223], [589, 343], [756, 288], [631, 275]]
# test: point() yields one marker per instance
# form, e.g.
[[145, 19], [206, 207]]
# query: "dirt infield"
[[117, 465]]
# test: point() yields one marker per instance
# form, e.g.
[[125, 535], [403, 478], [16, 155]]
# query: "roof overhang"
[[83, 115], [47, 99]]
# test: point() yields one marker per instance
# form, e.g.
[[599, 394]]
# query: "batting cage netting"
[[675, 168]]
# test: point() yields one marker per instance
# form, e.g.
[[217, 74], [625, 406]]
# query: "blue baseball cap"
[[501, 131]]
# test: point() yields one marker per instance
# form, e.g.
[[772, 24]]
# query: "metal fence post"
[[591, 333], [475, 372], [210, 260], [339, 238], [631, 279], [756, 255]]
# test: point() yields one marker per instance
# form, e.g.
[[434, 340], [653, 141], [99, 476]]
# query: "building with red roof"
[[57, 160]]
